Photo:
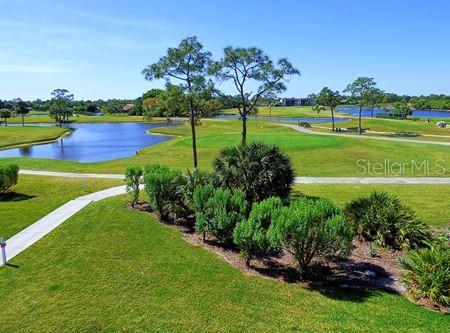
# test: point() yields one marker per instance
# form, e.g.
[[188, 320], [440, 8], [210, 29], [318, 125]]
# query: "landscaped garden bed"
[[235, 212]]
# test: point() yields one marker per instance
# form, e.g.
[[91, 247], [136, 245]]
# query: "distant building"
[[294, 101], [127, 107]]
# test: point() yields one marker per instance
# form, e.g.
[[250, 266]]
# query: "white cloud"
[[33, 69]]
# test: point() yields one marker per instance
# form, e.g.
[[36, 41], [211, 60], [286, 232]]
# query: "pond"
[[416, 113], [94, 143], [287, 120]]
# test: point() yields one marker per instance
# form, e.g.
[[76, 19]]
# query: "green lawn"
[[112, 269], [391, 125], [36, 196], [429, 201], [14, 136], [287, 111], [312, 155]]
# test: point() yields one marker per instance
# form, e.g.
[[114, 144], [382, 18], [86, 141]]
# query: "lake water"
[[287, 120], [416, 113], [94, 143]]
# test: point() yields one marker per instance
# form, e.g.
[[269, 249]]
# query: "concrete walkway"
[[364, 137], [298, 180], [42, 227], [368, 180], [72, 174]]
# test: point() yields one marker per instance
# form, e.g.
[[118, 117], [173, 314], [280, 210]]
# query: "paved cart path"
[[364, 137]]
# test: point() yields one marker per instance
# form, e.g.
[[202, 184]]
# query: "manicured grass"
[[36, 196], [429, 201], [391, 125], [312, 155], [288, 111], [14, 136], [112, 269]]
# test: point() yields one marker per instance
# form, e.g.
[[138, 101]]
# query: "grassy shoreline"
[[13, 137], [312, 155]]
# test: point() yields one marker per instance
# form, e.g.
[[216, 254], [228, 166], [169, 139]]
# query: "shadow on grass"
[[347, 280], [12, 265], [406, 134], [15, 197], [296, 194]]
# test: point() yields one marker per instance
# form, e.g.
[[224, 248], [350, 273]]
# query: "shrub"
[[218, 210], [9, 175], [186, 185], [160, 185], [311, 229], [428, 272], [133, 176], [382, 218], [304, 124], [251, 234], [259, 170]]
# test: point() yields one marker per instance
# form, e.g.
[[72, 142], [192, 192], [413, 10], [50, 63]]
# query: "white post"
[[3, 248]]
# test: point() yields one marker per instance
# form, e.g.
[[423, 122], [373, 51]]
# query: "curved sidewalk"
[[30, 235]]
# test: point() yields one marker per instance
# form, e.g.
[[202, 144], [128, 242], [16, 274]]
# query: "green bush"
[[382, 218], [133, 176], [259, 170], [311, 229], [217, 211], [160, 185], [428, 272], [186, 185], [9, 175], [251, 234], [304, 124]]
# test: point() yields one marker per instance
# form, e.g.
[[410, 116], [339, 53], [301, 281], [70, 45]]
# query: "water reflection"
[[94, 143]]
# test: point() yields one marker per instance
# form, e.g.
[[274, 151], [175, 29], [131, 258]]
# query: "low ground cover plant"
[[9, 175], [382, 218]]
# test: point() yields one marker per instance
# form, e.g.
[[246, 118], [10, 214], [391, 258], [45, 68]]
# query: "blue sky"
[[97, 49]]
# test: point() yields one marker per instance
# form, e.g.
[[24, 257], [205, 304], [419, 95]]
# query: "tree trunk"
[[359, 121], [332, 119], [194, 141], [23, 120], [244, 128], [6, 123]]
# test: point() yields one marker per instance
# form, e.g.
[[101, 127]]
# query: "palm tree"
[[21, 107]]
